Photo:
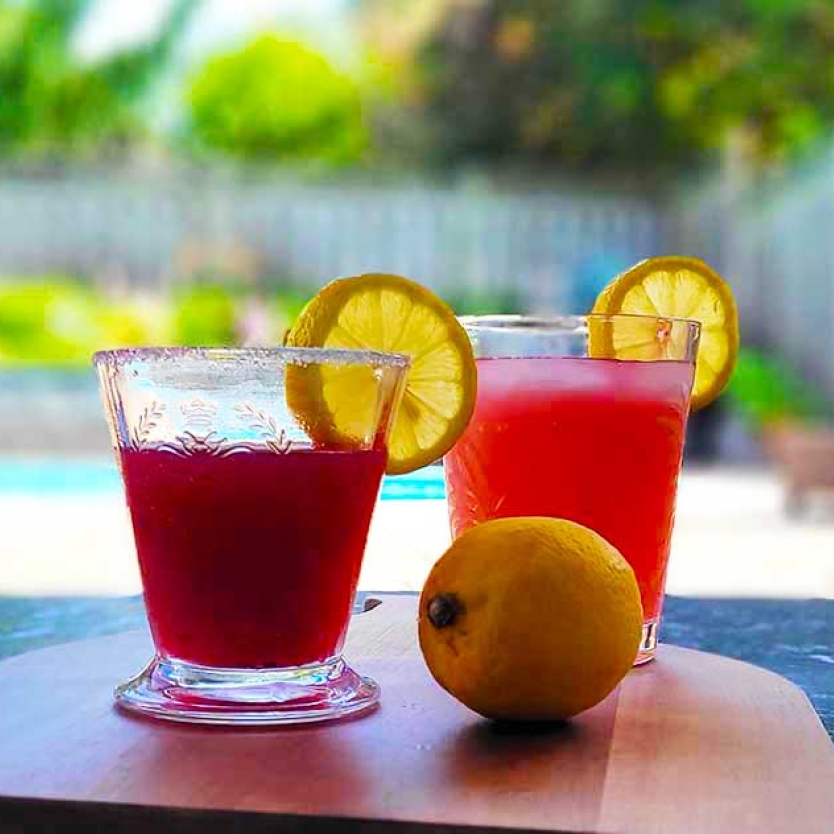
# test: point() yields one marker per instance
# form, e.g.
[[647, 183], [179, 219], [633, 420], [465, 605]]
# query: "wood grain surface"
[[691, 743]]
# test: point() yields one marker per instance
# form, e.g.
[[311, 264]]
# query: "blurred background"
[[189, 172]]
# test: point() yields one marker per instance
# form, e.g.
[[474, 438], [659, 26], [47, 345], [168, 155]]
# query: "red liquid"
[[250, 560], [596, 441]]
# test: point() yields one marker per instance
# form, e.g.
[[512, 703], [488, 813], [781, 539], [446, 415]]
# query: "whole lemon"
[[530, 619]]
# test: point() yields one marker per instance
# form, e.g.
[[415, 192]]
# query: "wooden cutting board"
[[691, 743]]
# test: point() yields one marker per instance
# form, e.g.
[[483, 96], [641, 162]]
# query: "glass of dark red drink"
[[250, 519]]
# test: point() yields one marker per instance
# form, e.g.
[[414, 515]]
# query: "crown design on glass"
[[199, 413]]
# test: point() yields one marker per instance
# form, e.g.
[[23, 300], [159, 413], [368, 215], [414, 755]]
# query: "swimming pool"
[[59, 477]]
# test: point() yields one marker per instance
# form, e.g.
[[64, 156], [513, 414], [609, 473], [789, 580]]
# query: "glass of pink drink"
[[598, 441], [249, 535]]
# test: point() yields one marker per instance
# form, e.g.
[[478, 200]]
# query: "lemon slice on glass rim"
[[392, 314], [671, 287]]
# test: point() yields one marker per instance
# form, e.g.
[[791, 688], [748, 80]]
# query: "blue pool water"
[[55, 478]]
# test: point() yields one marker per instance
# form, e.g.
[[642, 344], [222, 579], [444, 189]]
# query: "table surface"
[[794, 638], [692, 743]]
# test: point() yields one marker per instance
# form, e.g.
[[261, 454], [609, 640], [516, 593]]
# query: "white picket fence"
[[775, 244], [452, 240]]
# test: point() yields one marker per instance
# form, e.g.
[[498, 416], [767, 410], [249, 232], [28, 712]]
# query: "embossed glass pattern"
[[598, 441], [249, 529]]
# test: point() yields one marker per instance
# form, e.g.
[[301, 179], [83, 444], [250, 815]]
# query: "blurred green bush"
[[765, 390], [59, 321], [204, 315], [484, 303], [49, 321], [56, 103], [276, 100]]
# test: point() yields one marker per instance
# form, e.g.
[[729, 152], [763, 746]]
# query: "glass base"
[[177, 691], [648, 642]]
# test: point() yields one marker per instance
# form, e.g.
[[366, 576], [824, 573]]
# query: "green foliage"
[[51, 104], [484, 303], [137, 321], [48, 322], [285, 309], [204, 315], [276, 100], [541, 82], [763, 69], [765, 390], [644, 84], [55, 321]]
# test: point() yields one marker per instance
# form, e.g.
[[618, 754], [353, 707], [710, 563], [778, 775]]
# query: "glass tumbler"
[[563, 429], [250, 517]]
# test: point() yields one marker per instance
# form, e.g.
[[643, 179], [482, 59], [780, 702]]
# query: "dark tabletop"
[[794, 638]]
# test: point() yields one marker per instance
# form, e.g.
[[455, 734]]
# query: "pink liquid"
[[250, 560], [596, 441]]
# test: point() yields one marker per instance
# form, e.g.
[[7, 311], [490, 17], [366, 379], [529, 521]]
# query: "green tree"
[[53, 105], [763, 69], [621, 84], [276, 100]]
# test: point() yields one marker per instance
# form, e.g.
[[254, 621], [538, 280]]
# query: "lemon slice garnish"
[[392, 314], [674, 287]]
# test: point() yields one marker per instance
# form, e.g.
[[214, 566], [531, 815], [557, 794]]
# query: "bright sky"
[[114, 24]]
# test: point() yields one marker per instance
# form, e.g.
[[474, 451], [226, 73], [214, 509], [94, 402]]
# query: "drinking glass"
[[598, 441], [249, 533]]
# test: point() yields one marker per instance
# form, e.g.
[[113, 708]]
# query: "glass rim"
[[297, 355], [508, 321]]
